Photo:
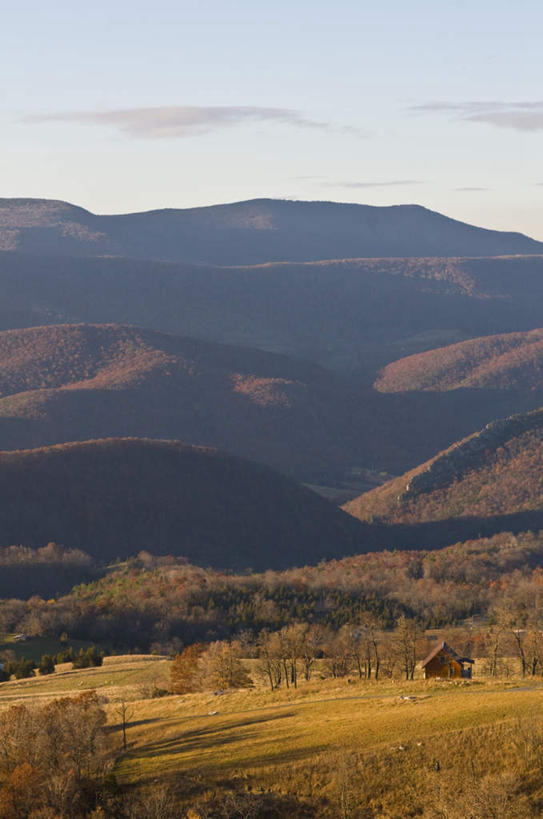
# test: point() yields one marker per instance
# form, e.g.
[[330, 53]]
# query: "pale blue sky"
[[123, 106]]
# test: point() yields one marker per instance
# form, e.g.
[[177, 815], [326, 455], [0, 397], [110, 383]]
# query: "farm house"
[[445, 663]]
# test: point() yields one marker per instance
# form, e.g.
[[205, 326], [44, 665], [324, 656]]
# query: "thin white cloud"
[[471, 190], [389, 183], [521, 116], [307, 178], [175, 121]]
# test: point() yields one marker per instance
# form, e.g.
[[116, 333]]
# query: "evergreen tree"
[[47, 665]]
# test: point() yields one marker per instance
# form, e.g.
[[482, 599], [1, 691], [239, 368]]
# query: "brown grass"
[[332, 748]]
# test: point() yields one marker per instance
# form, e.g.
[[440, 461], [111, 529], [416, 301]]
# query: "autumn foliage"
[[52, 757]]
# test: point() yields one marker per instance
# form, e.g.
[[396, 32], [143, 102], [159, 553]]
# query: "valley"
[[257, 461], [271, 410]]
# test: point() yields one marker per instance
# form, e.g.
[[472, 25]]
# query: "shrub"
[[66, 656]]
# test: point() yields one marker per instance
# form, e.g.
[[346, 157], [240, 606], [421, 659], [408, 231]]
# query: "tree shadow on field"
[[218, 725], [216, 734], [249, 731]]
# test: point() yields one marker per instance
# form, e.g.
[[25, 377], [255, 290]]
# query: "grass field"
[[252, 730], [34, 648], [299, 741], [128, 677]]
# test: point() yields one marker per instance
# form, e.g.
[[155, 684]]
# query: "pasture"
[[335, 747]]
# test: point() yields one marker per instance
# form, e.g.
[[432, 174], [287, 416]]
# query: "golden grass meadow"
[[336, 747]]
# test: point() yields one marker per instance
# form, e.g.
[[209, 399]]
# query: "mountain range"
[[252, 232], [338, 344], [352, 316], [61, 383], [75, 382]]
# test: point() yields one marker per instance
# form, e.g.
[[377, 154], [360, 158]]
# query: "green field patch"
[[34, 648]]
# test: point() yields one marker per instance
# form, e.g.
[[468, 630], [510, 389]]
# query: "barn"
[[445, 663]]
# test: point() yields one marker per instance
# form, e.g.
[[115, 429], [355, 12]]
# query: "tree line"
[[364, 651], [47, 571], [163, 604], [23, 668]]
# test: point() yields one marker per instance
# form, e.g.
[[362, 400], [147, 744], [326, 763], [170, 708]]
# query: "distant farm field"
[[130, 677], [35, 647]]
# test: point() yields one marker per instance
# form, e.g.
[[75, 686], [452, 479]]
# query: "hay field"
[[254, 729], [388, 749], [120, 677], [331, 745]]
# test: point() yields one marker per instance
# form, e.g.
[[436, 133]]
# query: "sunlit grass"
[[291, 741], [255, 729], [119, 677]]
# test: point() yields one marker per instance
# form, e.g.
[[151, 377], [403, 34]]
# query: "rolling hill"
[[63, 383], [355, 315], [252, 232], [76, 382], [87, 356], [113, 498], [491, 481], [512, 361], [350, 316]]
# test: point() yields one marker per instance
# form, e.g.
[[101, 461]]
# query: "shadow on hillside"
[[217, 733], [435, 534], [249, 733], [424, 423]]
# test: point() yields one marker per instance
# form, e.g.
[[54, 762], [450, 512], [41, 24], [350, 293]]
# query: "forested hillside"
[[512, 361], [354, 315], [61, 383], [489, 482], [149, 600], [113, 497], [75, 382], [274, 361]]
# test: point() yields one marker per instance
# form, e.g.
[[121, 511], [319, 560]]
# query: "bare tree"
[[495, 639], [125, 714], [269, 658], [338, 655], [314, 638], [57, 752], [406, 637]]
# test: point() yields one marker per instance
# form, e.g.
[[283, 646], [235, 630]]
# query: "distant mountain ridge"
[[252, 232], [74, 382], [343, 314]]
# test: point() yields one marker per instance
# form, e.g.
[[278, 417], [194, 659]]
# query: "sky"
[[126, 106]]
